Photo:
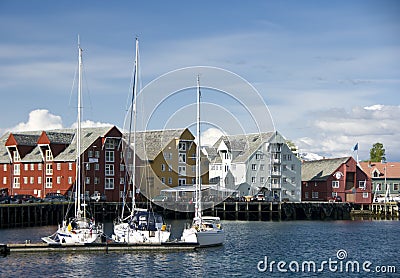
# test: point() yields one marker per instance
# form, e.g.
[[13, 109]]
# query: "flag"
[[355, 148]]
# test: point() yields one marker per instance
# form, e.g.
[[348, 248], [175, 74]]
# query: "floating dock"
[[6, 249]]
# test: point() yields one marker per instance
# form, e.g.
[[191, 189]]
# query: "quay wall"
[[43, 214]]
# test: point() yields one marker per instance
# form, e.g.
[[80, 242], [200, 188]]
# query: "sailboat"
[[79, 229], [204, 230], [141, 226]]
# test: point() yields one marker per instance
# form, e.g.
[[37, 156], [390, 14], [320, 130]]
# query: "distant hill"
[[310, 156]]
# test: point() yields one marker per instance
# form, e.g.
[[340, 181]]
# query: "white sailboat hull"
[[123, 233]]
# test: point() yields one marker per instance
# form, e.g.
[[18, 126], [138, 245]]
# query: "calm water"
[[246, 245]]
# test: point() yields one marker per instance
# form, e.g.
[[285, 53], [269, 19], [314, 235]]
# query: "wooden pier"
[[42, 214]]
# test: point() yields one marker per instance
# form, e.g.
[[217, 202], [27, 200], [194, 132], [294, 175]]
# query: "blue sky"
[[329, 71]]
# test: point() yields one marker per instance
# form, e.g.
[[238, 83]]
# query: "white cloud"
[[39, 119], [210, 136], [336, 132], [89, 123]]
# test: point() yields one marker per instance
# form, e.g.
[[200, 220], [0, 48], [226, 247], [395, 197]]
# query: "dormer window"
[[49, 155], [376, 174]]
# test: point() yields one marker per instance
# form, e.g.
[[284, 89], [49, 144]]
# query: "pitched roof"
[[26, 139], [392, 169], [244, 145], [151, 142], [58, 136], [320, 170]]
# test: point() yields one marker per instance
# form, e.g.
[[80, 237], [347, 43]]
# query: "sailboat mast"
[[135, 85], [78, 137], [198, 154]]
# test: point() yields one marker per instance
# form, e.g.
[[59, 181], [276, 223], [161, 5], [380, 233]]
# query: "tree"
[[377, 153]]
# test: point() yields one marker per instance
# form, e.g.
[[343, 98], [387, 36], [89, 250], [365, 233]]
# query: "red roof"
[[392, 169]]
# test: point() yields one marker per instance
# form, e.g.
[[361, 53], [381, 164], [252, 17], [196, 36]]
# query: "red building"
[[42, 162], [335, 179]]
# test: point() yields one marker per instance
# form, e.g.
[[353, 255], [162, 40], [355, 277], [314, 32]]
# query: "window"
[[111, 143], [109, 183], [259, 156], [226, 168], [49, 155], [109, 169], [122, 167], [292, 167], [109, 156], [262, 167], [49, 182], [335, 184], [261, 180], [49, 169], [32, 167], [121, 180], [253, 167], [25, 180], [40, 167], [315, 195], [182, 170], [169, 180], [181, 181], [167, 156], [70, 166], [58, 180], [4, 180], [97, 154], [97, 167], [26, 167], [365, 195], [253, 179], [395, 186], [58, 166], [16, 156], [163, 180], [17, 169], [182, 158], [284, 180], [97, 180], [362, 184], [16, 183], [182, 146], [289, 157], [39, 180], [87, 166], [87, 180], [378, 187], [305, 195], [163, 167]]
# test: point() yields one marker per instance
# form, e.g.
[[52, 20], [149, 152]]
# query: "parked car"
[[26, 198], [55, 198], [8, 200]]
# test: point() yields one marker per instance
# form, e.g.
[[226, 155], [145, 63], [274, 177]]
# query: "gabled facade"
[[254, 163], [43, 162], [335, 179], [385, 179], [165, 159]]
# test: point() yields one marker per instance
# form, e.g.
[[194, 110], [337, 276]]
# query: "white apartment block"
[[259, 163]]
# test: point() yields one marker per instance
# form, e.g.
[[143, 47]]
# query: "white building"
[[256, 163]]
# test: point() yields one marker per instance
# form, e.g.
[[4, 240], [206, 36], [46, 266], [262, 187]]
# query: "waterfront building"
[[41, 162], [336, 179], [165, 159], [385, 178], [259, 164]]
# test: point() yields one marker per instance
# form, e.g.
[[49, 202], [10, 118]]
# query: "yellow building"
[[165, 159]]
